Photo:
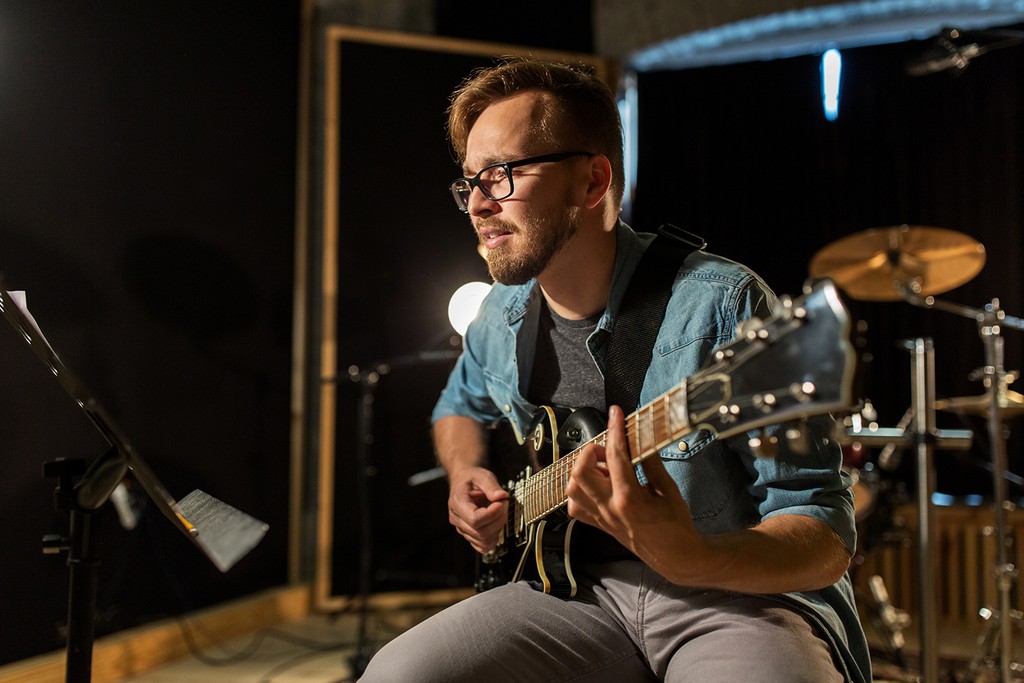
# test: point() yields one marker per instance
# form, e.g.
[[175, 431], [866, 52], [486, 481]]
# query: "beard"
[[532, 246]]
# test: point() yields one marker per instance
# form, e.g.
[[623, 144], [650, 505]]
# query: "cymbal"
[[881, 263], [1010, 405]]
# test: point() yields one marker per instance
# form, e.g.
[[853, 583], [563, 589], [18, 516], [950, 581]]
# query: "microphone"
[[948, 55], [951, 57], [893, 620]]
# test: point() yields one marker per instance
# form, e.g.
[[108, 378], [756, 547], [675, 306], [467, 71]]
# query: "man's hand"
[[653, 521], [477, 506], [781, 554]]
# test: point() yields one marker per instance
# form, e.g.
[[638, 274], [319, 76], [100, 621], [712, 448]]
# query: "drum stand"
[[995, 379], [926, 438], [911, 263]]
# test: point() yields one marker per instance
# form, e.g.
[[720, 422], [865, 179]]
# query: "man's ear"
[[599, 180]]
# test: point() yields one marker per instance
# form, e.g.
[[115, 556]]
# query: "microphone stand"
[[80, 500], [990, 320], [368, 380]]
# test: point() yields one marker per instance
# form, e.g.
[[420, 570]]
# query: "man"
[[732, 567]]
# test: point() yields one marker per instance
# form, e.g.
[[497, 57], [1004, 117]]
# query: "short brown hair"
[[580, 111]]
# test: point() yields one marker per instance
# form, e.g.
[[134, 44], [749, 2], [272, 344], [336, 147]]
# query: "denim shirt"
[[724, 484]]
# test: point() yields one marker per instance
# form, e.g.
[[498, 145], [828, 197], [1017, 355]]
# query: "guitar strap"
[[643, 306]]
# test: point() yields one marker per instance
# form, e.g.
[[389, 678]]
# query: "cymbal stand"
[[923, 400], [926, 438], [990, 320]]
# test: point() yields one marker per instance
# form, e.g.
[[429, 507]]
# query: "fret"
[[658, 434], [540, 488], [666, 432], [678, 419], [646, 431], [564, 480]]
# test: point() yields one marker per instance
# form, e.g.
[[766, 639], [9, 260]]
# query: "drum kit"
[[913, 264]]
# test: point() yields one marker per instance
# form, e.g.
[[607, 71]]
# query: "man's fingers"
[[620, 467], [479, 526], [588, 484], [657, 476]]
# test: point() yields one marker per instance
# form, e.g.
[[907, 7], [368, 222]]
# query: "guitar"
[[796, 364]]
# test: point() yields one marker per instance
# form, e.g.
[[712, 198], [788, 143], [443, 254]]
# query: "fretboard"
[[648, 430]]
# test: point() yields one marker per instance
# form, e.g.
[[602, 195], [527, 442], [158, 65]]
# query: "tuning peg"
[[763, 445], [788, 308], [784, 304], [868, 412], [748, 328]]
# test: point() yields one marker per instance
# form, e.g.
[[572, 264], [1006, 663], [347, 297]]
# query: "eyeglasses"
[[495, 181]]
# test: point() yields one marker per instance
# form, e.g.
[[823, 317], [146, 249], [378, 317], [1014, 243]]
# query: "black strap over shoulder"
[[640, 315]]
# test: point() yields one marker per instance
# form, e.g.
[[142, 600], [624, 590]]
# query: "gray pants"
[[628, 625]]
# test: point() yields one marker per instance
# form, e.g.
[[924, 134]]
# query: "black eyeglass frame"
[[508, 166]]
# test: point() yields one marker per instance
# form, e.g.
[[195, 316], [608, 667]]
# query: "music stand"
[[223, 533]]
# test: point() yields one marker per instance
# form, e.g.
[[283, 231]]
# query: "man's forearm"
[[459, 443], [782, 554]]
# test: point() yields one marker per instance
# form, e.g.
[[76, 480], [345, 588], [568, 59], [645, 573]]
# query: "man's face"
[[522, 233]]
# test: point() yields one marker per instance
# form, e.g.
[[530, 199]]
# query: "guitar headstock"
[[796, 364]]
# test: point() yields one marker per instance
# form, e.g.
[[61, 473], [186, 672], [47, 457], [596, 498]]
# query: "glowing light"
[[629, 114], [831, 71], [464, 304]]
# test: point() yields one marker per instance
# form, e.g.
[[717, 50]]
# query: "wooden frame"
[[335, 36]]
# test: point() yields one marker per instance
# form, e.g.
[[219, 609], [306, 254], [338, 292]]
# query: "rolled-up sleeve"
[[466, 393], [811, 484]]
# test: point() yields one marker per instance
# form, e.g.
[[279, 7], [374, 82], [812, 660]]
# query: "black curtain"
[[743, 155], [148, 211]]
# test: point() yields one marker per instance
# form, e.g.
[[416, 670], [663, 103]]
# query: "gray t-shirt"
[[564, 373]]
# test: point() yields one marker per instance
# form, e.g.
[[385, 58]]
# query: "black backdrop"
[[743, 155], [148, 183], [403, 249]]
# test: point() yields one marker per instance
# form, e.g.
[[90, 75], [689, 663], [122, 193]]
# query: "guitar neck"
[[648, 430]]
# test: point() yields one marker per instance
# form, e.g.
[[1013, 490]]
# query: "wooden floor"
[[317, 649], [322, 649]]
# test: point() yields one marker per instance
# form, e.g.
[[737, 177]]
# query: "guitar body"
[[544, 548]]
